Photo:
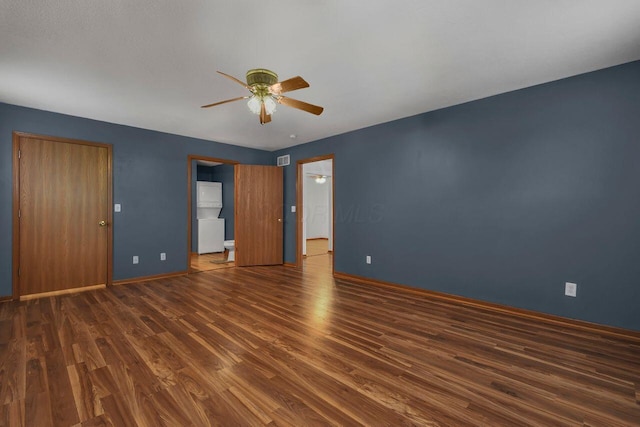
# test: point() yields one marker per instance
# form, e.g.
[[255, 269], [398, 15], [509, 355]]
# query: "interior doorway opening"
[[210, 226], [315, 195]]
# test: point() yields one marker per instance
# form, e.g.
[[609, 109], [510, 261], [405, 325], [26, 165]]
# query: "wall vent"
[[284, 160]]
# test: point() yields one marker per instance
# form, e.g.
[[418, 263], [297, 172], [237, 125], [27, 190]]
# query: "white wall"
[[316, 208], [317, 203]]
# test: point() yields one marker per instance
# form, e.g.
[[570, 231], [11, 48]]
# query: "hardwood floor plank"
[[162, 405], [296, 403], [184, 399], [37, 399], [13, 372], [209, 340], [251, 404], [130, 365], [103, 382], [85, 395], [100, 421], [16, 413], [191, 350], [271, 398], [35, 377], [332, 390], [63, 406], [282, 346], [118, 413]]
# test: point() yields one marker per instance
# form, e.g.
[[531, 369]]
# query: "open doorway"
[[315, 188], [210, 223]]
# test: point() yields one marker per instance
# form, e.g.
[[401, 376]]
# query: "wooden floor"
[[208, 262], [317, 247], [278, 346], [213, 261]]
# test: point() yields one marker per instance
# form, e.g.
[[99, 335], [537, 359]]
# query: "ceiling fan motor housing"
[[261, 77]]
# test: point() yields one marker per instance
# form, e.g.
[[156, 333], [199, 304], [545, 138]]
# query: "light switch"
[[117, 207], [293, 208]]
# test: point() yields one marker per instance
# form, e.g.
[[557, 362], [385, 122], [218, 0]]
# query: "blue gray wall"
[[503, 199], [204, 173], [149, 180]]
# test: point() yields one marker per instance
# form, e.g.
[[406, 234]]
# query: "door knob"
[[279, 219], [102, 223]]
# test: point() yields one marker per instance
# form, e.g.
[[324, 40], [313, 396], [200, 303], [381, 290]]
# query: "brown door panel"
[[259, 220], [63, 199]]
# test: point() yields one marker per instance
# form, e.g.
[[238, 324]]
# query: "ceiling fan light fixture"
[[321, 179], [266, 93], [260, 79]]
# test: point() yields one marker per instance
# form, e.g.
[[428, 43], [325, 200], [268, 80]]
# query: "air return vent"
[[284, 160]]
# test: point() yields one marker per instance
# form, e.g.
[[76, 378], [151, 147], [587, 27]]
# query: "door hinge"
[[19, 213], [18, 272], [19, 153]]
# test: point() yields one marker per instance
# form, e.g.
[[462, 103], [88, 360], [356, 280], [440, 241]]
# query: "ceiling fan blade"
[[300, 105], [264, 117], [244, 85], [288, 85], [224, 102]]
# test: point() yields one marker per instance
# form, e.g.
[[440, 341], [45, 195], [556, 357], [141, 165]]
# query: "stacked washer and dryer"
[[210, 227]]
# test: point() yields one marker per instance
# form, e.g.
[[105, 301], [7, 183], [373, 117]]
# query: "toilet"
[[230, 245]]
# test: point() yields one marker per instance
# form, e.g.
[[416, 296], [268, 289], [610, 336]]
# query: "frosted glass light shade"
[[269, 105], [321, 179], [254, 104]]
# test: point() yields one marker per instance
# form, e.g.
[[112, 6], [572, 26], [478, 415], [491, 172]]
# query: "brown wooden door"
[[258, 224], [63, 197]]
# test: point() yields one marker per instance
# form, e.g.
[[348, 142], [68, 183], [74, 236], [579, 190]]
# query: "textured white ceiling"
[[152, 63]]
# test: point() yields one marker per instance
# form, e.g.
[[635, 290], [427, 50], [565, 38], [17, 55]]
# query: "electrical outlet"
[[136, 259], [163, 256], [570, 289], [368, 259]]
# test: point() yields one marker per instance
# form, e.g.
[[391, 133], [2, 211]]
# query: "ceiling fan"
[[266, 92], [320, 179]]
